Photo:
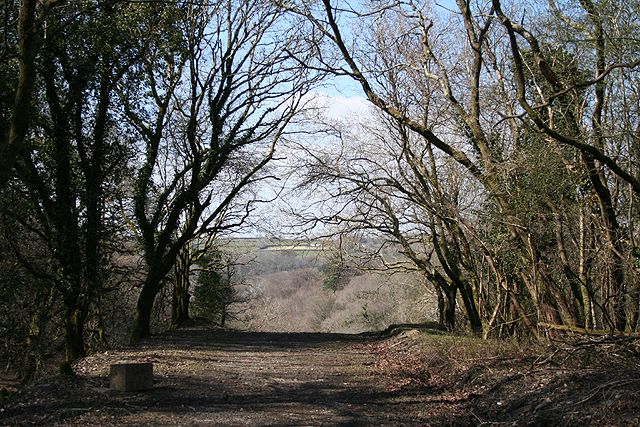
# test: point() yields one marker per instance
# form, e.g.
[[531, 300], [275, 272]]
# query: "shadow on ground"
[[208, 376]]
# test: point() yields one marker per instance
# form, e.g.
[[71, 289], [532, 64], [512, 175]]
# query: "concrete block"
[[131, 376]]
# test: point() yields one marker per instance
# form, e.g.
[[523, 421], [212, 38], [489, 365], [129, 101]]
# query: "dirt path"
[[212, 377]]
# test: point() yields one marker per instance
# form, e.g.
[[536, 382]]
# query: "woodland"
[[493, 167]]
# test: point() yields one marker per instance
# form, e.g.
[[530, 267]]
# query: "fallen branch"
[[591, 332]]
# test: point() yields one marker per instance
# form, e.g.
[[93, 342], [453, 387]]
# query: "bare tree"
[[222, 92], [384, 181]]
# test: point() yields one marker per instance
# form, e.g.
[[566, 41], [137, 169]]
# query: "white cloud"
[[339, 108]]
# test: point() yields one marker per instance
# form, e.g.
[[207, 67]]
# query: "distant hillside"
[[252, 244]]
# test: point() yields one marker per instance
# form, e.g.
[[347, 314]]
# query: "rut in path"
[[213, 377]]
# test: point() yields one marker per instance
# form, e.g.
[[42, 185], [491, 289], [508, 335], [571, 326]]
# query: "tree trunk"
[[451, 267], [635, 307], [180, 302], [153, 283], [74, 334], [180, 306], [36, 327], [223, 315], [611, 232], [450, 307], [446, 297], [448, 303], [440, 305], [142, 320], [27, 49], [102, 333], [470, 305], [523, 315], [584, 269]]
